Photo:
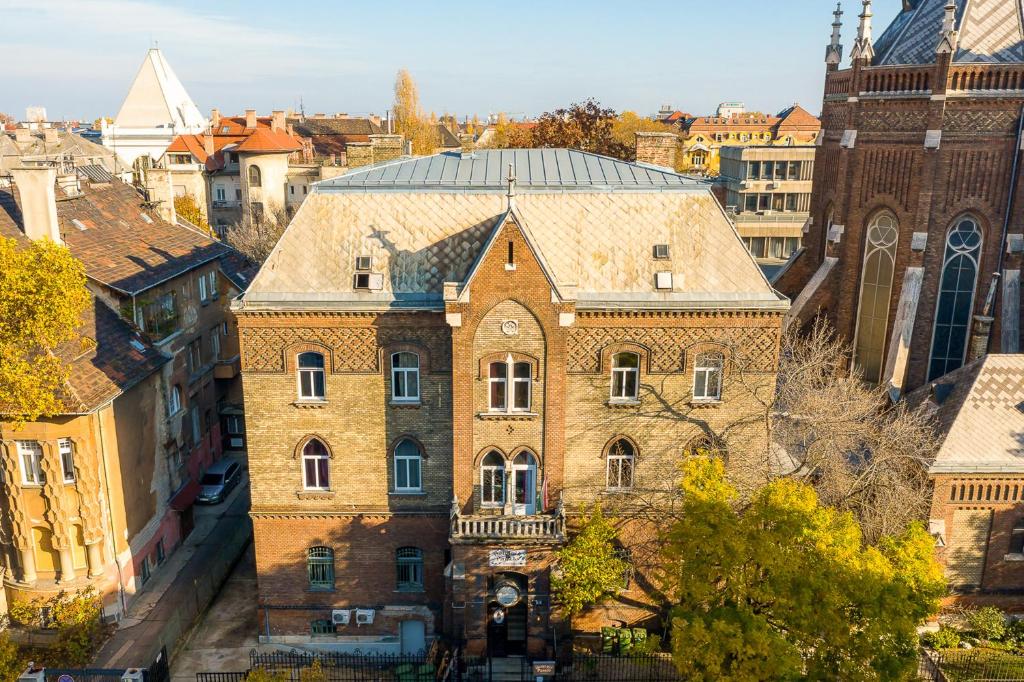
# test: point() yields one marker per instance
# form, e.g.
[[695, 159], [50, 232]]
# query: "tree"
[[584, 125], [589, 566], [12, 660], [409, 119], [186, 206], [781, 587], [42, 296], [255, 237]]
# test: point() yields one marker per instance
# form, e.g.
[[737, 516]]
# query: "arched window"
[[621, 460], [408, 459], [492, 480], [320, 567], [1017, 537], [255, 176], [875, 295], [707, 376], [315, 472], [405, 377], [956, 298], [311, 376], [503, 393], [625, 376], [409, 562]]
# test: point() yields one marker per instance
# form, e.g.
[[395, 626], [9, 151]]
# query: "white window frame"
[[619, 459], [318, 484], [704, 368], [402, 463], [491, 469], [400, 379], [67, 459], [174, 400], [30, 459], [312, 372], [203, 295], [221, 193], [510, 381], [624, 372]]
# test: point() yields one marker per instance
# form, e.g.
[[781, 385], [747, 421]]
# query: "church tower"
[[913, 249]]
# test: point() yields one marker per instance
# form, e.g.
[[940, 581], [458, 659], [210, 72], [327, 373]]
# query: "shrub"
[[943, 638], [1014, 633], [987, 623]]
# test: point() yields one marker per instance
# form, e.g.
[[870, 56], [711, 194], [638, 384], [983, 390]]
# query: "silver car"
[[218, 481]]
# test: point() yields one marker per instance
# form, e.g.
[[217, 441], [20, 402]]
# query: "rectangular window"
[[147, 570], [707, 377], [750, 202], [215, 343], [203, 296], [220, 193], [499, 385], [521, 386], [405, 377], [212, 284], [160, 317], [757, 247], [407, 474], [778, 202], [195, 355], [67, 459], [196, 429], [755, 170], [31, 455], [794, 170], [492, 488], [160, 554], [791, 202], [764, 202]]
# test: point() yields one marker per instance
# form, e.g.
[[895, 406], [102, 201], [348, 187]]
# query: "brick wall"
[[658, 149]]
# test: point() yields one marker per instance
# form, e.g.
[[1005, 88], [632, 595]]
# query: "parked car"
[[218, 481]]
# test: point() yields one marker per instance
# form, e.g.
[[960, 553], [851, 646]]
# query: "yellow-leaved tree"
[[186, 206], [409, 119], [42, 296]]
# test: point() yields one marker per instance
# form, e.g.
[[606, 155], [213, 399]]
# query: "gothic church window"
[[875, 295], [956, 298]]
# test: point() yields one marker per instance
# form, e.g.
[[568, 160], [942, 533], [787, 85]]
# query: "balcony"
[[536, 529]]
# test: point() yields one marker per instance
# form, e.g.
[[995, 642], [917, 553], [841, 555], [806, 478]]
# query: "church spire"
[[834, 52], [862, 48], [950, 36]]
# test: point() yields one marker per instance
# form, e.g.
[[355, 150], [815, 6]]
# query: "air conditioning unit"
[[364, 616], [340, 616], [766, 211], [363, 263], [661, 251]]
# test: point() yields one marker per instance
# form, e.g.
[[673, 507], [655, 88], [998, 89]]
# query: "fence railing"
[[221, 677], [338, 667], [972, 665]]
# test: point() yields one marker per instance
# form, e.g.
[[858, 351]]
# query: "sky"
[[78, 57]]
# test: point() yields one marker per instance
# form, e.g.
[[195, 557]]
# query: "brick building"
[[102, 493], [977, 513], [916, 228], [448, 359]]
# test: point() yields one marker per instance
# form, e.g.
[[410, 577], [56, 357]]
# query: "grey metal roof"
[[96, 173], [487, 170]]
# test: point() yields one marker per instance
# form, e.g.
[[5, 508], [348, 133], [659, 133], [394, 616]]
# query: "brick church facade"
[[447, 360], [913, 249]]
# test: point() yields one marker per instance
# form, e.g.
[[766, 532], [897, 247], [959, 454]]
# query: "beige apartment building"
[[768, 197]]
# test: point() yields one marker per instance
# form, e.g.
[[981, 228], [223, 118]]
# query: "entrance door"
[[524, 485], [414, 639]]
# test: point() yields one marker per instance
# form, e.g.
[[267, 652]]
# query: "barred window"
[[410, 569], [321, 627], [320, 565]]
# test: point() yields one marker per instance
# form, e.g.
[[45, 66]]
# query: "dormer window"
[[363, 263]]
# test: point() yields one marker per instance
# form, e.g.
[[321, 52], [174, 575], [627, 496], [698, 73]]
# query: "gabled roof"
[[265, 140], [448, 139], [979, 415], [593, 222], [797, 118], [122, 243], [157, 99], [990, 31]]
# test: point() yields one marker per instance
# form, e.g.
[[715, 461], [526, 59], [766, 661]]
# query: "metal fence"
[[346, 667], [221, 677], [605, 668], [971, 665]]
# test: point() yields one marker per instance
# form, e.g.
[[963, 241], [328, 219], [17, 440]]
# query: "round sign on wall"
[[65, 678], [498, 616]]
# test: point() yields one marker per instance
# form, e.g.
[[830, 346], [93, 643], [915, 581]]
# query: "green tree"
[[12, 660], [779, 587], [584, 125], [589, 567], [42, 296]]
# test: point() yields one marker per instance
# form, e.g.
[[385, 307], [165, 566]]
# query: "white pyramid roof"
[[157, 99]]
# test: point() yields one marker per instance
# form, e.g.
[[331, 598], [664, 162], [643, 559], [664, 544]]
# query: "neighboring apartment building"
[[51, 145], [768, 197], [447, 360], [914, 251], [977, 510], [103, 493], [703, 137], [249, 166], [156, 110]]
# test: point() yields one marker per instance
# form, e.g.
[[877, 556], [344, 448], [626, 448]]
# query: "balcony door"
[[524, 485]]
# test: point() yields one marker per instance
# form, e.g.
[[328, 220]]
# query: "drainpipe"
[[110, 511]]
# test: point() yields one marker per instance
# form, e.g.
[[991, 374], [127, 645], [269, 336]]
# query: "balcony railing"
[[535, 528]]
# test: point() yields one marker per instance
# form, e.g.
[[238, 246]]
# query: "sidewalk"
[[184, 586]]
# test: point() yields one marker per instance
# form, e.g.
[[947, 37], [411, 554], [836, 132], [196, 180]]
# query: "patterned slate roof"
[[979, 410], [990, 31], [596, 239], [534, 169], [122, 243]]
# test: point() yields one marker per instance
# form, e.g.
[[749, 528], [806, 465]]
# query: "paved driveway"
[[226, 633]]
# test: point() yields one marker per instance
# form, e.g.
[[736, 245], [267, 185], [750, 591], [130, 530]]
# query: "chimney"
[[22, 135], [38, 202], [215, 118], [208, 143], [50, 136], [250, 118], [656, 149], [277, 123], [468, 144], [291, 129]]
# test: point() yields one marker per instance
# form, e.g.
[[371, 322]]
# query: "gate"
[[83, 674]]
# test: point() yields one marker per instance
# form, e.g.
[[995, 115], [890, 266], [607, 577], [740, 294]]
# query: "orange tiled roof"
[[799, 118], [267, 140]]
